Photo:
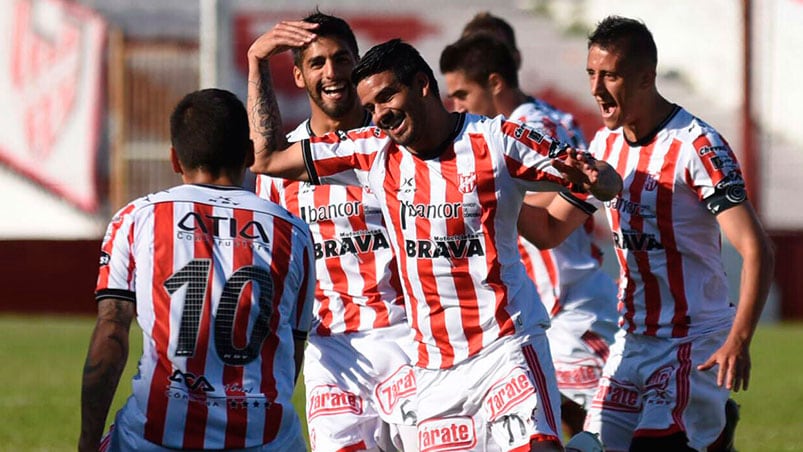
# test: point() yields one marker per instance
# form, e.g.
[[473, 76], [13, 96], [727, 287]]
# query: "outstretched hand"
[[283, 36], [577, 166], [595, 176], [733, 365]]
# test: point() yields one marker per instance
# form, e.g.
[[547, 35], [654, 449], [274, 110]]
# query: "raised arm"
[[743, 229], [105, 361], [273, 155]]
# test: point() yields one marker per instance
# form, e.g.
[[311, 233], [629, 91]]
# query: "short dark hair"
[[209, 131], [330, 27], [479, 56], [485, 22], [628, 36], [397, 56]]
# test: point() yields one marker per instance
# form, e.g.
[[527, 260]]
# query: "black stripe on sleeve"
[[300, 335], [579, 203], [309, 162], [116, 293]]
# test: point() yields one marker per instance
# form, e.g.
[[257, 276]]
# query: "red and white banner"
[[51, 93]]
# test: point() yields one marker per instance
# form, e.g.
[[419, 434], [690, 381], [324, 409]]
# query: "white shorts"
[[651, 387], [578, 353], [127, 434], [507, 389], [360, 389]]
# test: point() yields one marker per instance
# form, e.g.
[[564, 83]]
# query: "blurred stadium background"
[[86, 87]]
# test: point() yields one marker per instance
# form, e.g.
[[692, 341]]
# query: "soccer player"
[[359, 307], [450, 187], [682, 346], [481, 77], [221, 283]]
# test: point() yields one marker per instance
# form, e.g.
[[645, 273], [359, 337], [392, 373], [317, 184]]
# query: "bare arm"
[[546, 219], [272, 153], [105, 361], [743, 229]]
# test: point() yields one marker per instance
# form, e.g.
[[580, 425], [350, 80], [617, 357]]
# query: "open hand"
[[283, 36]]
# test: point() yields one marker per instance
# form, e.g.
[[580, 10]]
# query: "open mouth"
[[392, 123], [335, 91], [606, 108]]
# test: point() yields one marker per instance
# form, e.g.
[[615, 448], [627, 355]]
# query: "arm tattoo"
[[268, 121]]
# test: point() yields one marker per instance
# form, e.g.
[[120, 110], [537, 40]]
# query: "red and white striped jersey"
[[666, 237], [358, 286], [577, 257], [453, 223], [223, 282]]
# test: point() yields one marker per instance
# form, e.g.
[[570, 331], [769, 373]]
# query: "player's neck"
[[321, 123], [509, 100], [204, 178], [655, 113], [442, 123]]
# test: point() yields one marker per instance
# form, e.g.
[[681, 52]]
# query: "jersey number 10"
[[195, 275]]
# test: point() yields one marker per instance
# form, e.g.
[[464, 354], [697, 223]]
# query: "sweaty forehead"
[[324, 46]]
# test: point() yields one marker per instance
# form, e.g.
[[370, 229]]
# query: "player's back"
[[223, 283]]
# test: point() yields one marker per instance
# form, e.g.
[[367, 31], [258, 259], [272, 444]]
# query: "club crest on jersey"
[[467, 182], [656, 388], [446, 434], [507, 393], [399, 386], [327, 400]]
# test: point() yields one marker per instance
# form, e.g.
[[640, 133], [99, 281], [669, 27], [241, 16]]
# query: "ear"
[[421, 84], [174, 161], [496, 83], [298, 77]]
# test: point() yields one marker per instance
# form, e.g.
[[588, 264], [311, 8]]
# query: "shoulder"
[[697, 135]]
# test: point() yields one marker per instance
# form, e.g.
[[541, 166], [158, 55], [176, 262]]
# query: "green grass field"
[[42, 358]]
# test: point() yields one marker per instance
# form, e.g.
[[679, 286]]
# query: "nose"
[[329, 69], [379, 114], [597, 87], [459, 106]]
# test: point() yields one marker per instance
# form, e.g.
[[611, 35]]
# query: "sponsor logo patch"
[[617, 396], [446, 434], [327, 400], [399, 386], [507, 393]]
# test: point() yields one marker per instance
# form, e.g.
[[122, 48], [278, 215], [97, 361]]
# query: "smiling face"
[[325, 73], [468, 95], [618, 88], [395, 108]]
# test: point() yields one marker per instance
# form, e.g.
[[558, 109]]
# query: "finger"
[[737, 381], [707, 365], [746, 377], [732, 376]]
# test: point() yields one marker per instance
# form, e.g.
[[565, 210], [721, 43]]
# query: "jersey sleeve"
[[116, 272], [342, 158], [528, 155], [269, 188], [306, 295], [714, 173]]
